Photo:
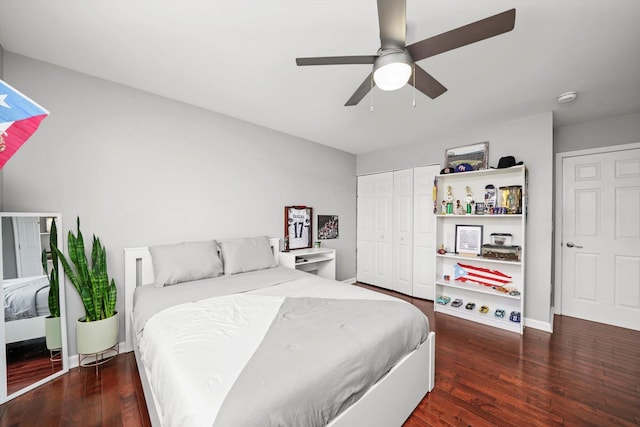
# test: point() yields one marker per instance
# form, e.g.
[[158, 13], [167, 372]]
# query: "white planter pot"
[[52, 333], [95, 337]]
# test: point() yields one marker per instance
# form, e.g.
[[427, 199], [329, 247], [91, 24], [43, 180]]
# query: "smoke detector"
[[567, 97]]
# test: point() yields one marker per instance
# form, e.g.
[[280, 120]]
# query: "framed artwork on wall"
[[328, 227], [297, 227], [476, 156]]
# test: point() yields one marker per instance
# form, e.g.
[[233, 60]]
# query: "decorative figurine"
[[442, 250], [489, 198], [459, 209], [444, 207]]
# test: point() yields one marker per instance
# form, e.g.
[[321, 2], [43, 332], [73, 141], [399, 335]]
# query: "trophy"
[[469, 200]]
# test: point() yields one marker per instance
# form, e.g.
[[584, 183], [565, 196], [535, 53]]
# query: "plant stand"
[[99, 358], [55, 355]]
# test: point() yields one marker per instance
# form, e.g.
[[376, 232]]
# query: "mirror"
[[34, 341]]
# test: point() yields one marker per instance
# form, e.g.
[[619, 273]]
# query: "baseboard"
[[537, 324], [350, 281], [74, 359]]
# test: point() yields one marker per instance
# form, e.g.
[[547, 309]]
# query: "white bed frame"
[[388, 403], [24, 329]]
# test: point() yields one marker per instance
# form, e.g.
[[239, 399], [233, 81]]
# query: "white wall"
[[529, 139], [617, 130], [141, 170]]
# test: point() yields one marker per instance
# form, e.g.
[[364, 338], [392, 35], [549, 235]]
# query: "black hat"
[[507, 162], [447, 170]]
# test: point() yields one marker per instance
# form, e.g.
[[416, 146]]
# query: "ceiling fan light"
[[392, 76], [392, 70]]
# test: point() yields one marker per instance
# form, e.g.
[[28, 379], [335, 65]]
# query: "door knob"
[[573, 245]]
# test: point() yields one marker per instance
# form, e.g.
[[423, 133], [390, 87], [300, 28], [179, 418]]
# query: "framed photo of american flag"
[[469, 240]]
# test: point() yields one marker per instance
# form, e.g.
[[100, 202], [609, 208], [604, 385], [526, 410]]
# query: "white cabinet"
[[320, 261], [395, 231], [450, 266]]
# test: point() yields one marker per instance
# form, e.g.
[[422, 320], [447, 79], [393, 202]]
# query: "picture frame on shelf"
[[469, 240], [475, 155], [298, 228]]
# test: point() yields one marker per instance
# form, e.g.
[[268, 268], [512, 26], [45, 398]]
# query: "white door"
[[601, 238], [403, 231], [374, 229], [28, 251], [424, 239]]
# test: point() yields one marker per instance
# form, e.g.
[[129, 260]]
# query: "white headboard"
[[138, 271]]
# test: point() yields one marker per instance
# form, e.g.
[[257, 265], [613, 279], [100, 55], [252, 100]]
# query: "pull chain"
[[414, 85], [371, 97]]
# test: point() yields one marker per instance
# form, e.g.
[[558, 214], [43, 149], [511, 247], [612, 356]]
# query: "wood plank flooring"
[[80, 398], [584, 374], [28, 362], [21, 374]]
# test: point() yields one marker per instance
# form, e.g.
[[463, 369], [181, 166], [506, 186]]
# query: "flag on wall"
[[19, 119], [483, 276]]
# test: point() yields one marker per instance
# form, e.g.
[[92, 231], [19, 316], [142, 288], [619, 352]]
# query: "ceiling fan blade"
[[462, 36], [337, 60], [392, 16], [426, 83], [362, 91]]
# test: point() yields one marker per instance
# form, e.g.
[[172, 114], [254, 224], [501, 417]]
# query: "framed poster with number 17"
[[297, 227]]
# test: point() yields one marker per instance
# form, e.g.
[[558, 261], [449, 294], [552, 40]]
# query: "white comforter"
[[191, 385], [189, 395], [26, 297]]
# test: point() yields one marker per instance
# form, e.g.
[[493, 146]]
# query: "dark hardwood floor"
[[584, 374], [28, 362]]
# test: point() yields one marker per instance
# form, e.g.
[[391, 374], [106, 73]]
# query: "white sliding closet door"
[[374, 229], [403, 231], [424, 239]]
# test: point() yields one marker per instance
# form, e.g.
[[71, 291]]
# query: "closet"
[[395, 231]]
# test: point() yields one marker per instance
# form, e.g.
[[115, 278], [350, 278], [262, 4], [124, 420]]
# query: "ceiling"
[[238, 58]]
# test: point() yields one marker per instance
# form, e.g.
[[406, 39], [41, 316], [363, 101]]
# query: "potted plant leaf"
[[97, 331], [53, 335]]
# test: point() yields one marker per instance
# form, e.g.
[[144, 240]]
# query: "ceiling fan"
[[395, 63]]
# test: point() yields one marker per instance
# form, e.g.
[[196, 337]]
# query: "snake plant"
[[54, 276], [92, 282]]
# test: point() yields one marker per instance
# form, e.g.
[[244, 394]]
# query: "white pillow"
[[184, 262], [246, 254]]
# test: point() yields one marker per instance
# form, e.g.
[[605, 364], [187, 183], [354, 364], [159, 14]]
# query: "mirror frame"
[[63, 318]]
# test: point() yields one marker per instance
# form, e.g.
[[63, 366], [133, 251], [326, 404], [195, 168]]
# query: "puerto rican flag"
[[19, 119], [483, 276]]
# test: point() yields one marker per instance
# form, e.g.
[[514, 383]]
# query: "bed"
[[248, 342], [25, 307]]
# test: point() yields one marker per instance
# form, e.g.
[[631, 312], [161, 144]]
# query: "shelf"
[[474, 184], [321, 261], [473, 287], [474, 259], [477, 174], [313, 259], [501, 216], [475, 316]]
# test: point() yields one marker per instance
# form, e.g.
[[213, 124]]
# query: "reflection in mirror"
[[33, 341]]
